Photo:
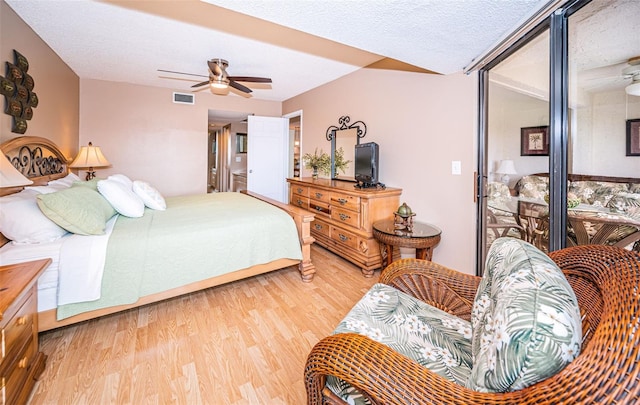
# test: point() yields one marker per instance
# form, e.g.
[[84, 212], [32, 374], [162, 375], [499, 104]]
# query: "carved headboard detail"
[[36, 158]]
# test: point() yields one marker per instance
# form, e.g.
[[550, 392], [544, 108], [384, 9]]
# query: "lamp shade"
[[90, 156], [506, 167], [10, 176]]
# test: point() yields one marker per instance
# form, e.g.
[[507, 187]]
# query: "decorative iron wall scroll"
[[344, 124], [17, 89]]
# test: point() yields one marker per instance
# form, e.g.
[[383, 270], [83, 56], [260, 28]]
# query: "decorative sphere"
[[404, 210]]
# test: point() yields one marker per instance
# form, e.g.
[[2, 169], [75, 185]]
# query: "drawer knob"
[[319, 195], [342, 237], [318, 208], [342, 201], [344, 217], [23, 363], [318, 227], [299, 190], [21, 320], [299, 202]]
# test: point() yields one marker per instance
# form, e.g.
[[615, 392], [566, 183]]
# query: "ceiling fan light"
[[633, 89], [219, 84]]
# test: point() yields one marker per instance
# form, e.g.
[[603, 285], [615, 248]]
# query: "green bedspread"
[[197, 237]]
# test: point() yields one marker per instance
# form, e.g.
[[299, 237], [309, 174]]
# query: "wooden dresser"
[[344, 216], [22, 362]]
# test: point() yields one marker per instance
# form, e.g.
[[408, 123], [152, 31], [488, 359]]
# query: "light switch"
[[456, 167], [238, 159]]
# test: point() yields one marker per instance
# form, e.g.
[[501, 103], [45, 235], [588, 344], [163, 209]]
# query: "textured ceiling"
[[299, 44]]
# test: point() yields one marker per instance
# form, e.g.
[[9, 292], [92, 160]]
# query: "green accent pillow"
[[92, 184], [79, 210], [525, 319]]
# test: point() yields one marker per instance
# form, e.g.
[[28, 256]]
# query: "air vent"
[[184, 98]]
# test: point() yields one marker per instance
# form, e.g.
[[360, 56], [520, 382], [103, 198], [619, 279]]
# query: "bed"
[[197, 242]]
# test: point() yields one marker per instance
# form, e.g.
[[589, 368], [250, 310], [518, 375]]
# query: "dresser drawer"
[[17, 375], [321, 227], [20, 325], [346, 238], [299, 201], [319, 207], [346, 217], [320, 195], [300, 190], [348, 202]]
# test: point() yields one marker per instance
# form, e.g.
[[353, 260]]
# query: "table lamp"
[[10, 176], [90, 157], [506, 167]]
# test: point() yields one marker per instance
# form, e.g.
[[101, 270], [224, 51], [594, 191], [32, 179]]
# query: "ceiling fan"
[[616, 75], [219, 79], [633, 72]]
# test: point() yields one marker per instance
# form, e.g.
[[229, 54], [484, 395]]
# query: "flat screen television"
[[366, 164]]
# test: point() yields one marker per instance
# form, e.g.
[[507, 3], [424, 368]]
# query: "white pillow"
[[45, 189], [121, 178], [122, 199], [64, 182], [22, 221], [149, 195]]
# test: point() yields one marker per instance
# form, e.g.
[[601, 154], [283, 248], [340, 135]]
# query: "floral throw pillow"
[[433, 338], [525, 319], [535, 187]]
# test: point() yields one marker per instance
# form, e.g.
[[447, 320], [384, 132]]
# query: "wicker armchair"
[[606, 281]]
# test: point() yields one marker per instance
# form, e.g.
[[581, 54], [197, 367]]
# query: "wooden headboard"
[[591, 177], [36, 158]]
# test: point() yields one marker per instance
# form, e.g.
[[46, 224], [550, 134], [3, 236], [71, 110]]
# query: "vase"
[[315, 172]]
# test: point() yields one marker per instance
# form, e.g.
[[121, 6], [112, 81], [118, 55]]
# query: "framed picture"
[[534, 141], [633, 137]]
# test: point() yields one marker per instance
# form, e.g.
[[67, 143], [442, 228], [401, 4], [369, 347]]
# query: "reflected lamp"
[[505, 168], [90, 157]]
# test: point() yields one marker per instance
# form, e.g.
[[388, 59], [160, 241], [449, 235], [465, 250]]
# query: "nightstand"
[[21, 362]]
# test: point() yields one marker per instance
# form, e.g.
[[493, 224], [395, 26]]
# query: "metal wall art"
[[344, 124], [17, 89]]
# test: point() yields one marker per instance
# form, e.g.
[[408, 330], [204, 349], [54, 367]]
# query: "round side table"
[[423, 238]]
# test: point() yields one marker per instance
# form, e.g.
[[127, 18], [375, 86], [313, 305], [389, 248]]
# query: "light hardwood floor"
[[241, 343]]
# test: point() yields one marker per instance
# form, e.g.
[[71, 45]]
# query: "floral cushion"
[[634, 188], [627, 203], [596, 193], [525, 319], [433, 338], [533, 187]]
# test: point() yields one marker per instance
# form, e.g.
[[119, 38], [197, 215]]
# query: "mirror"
[[342, 150], [241, 143], [343, 139]]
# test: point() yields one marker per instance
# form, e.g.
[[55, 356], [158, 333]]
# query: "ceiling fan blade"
[[200, 84], [181, 73], [215, 68], [240, 87], [250, 79]]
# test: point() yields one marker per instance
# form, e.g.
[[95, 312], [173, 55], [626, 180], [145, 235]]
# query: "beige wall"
[[148, 137], [422, 123], [56, 116]]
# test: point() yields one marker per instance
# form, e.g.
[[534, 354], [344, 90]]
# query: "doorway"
[[227, 167]]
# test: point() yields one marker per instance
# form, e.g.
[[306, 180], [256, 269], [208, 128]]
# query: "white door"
[[267, 156]]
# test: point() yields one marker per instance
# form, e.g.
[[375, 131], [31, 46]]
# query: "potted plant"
[[317, 162], [339, 162]]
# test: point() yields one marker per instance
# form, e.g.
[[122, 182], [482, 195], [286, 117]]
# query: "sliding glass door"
[[554, 164]]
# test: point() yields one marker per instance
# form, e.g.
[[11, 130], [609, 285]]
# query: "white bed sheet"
[[48, 282], [80, 276]]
